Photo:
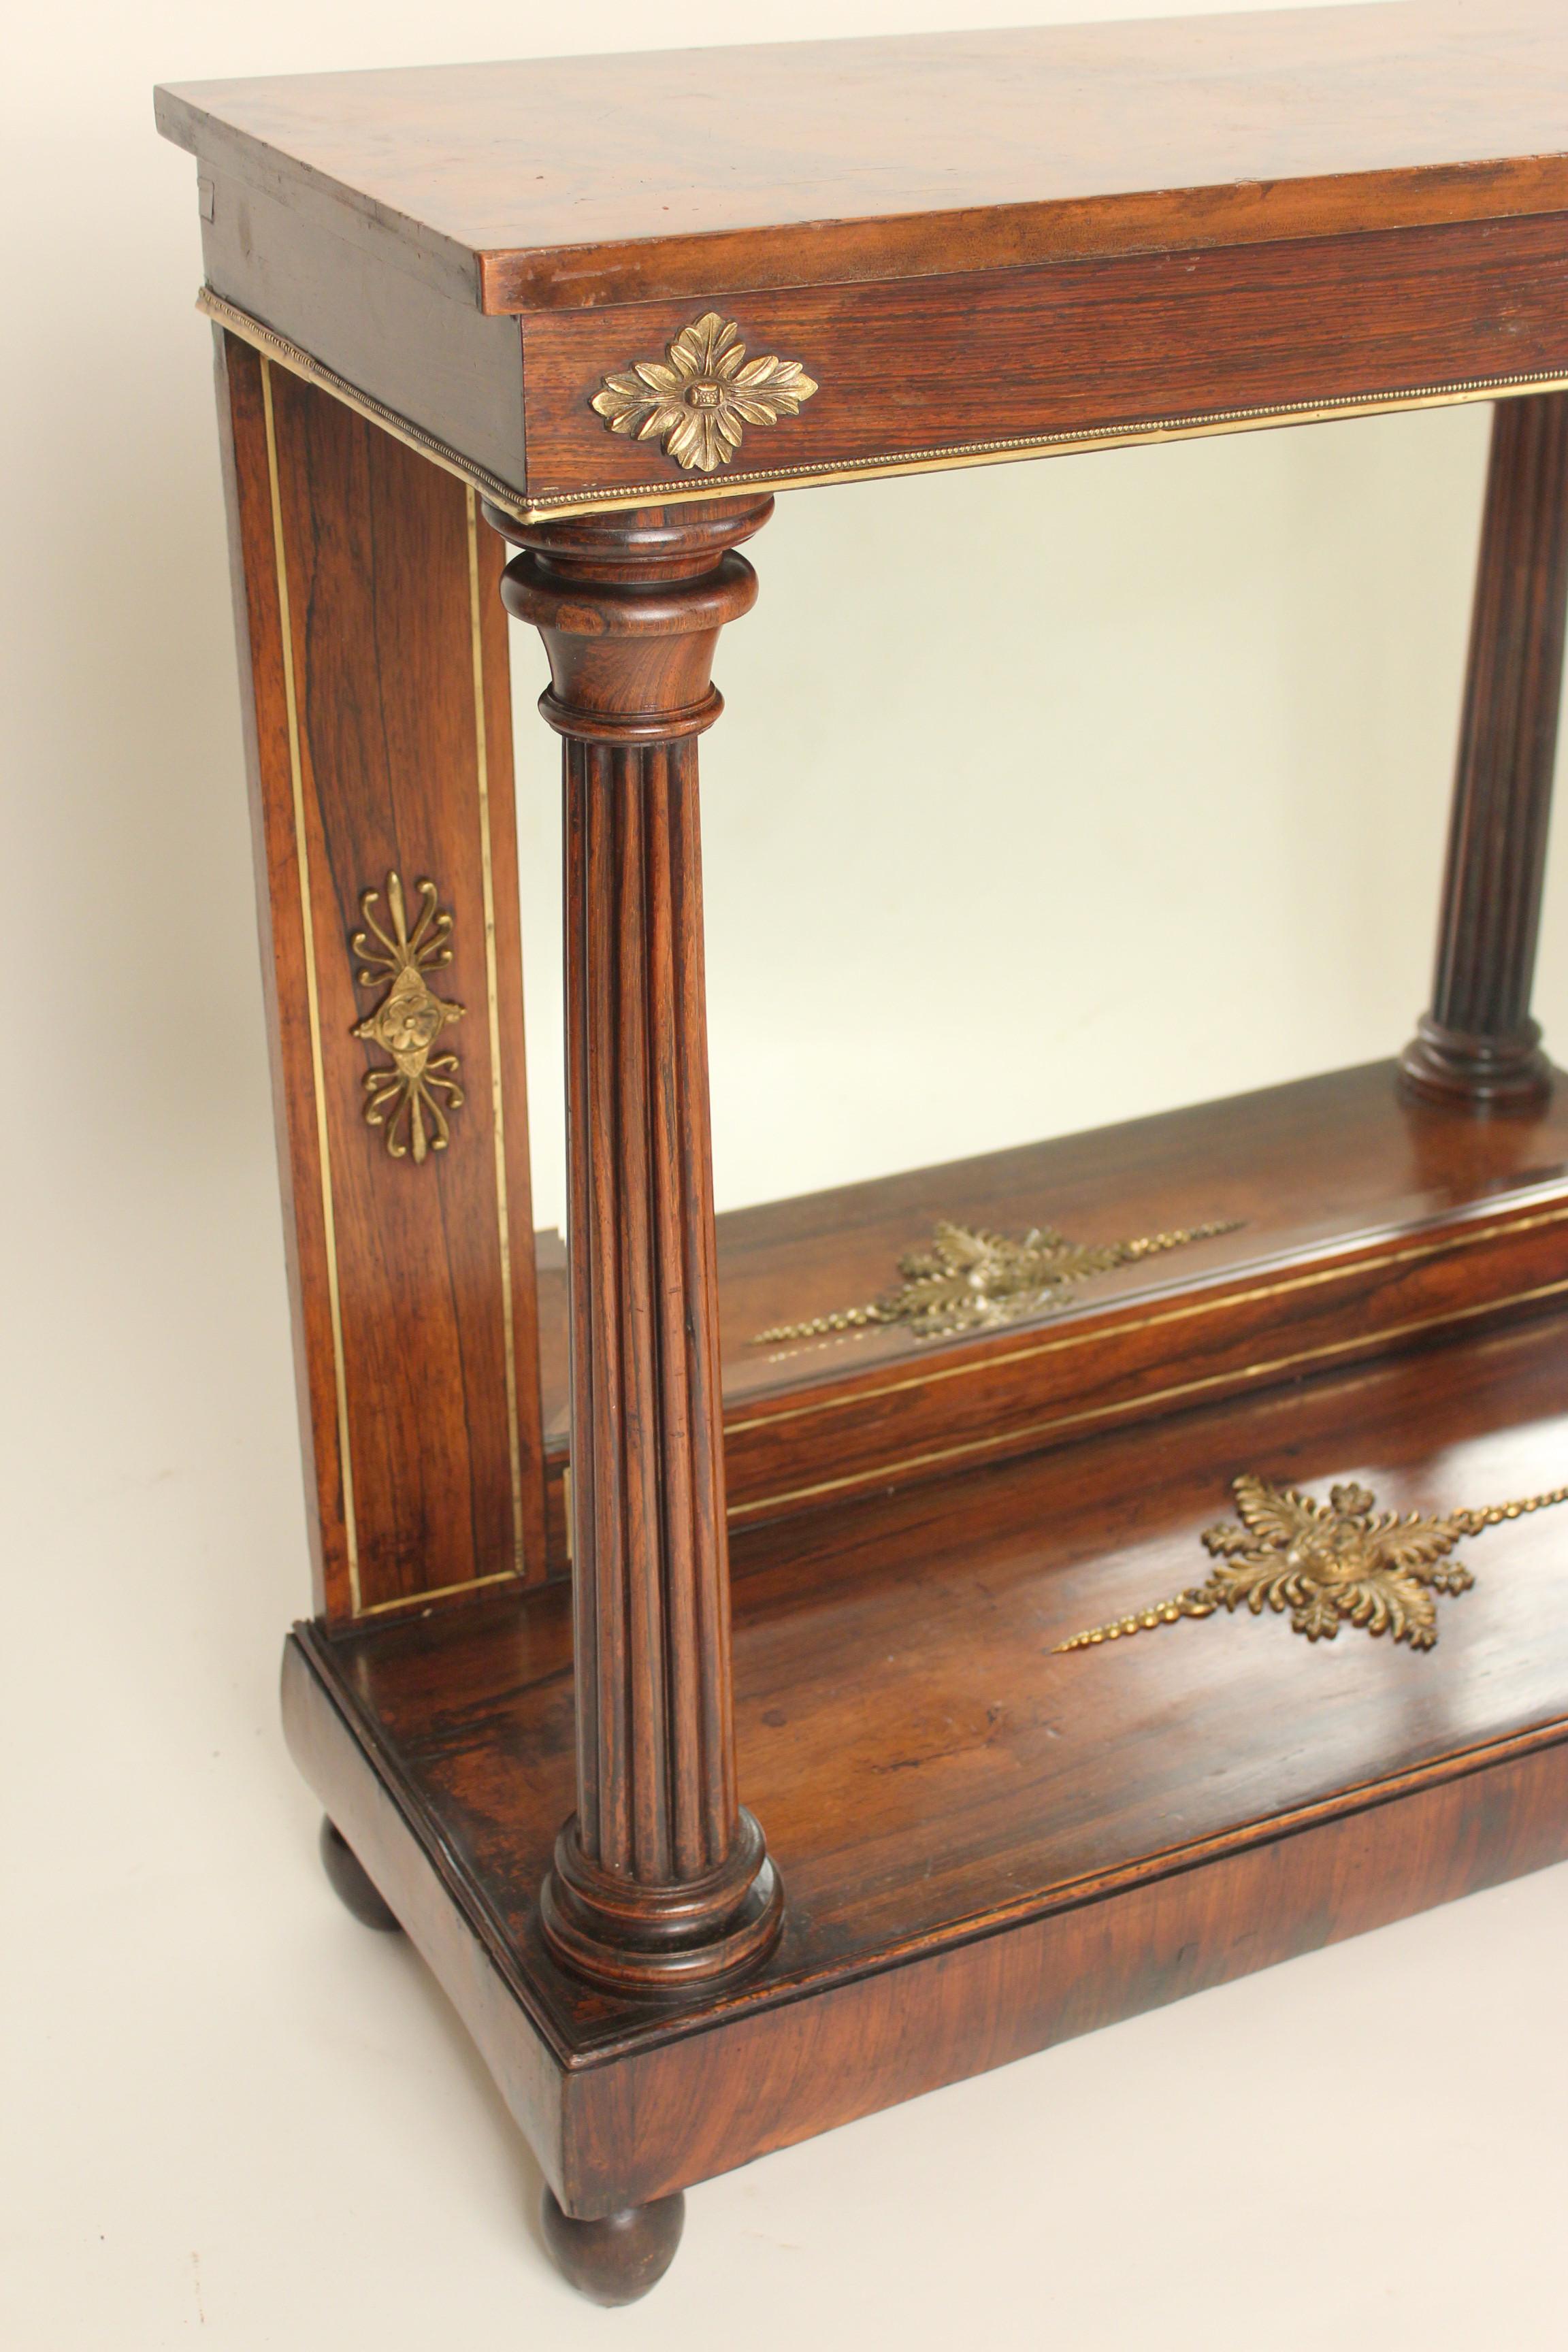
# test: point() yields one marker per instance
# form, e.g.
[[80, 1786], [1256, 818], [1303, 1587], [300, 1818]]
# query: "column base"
[[645, 1940], [1503, 1074]]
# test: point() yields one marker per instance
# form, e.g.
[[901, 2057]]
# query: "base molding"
[[988, 1847], [1481, 1074]]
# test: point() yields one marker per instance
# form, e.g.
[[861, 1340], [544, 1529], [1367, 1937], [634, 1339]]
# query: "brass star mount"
[[702, 393], [412, 1098], [971, 1280], [1331, 1564]]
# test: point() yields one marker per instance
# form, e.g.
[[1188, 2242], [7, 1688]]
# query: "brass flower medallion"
[[971, 1280], [702, 393], [1337, 1563], [412, 1098]]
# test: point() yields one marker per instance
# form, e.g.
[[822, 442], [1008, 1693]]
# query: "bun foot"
[[349, 1882], [618, 2259]]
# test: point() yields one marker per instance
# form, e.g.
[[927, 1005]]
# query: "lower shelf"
[[987, 1847], [1356, 1217]]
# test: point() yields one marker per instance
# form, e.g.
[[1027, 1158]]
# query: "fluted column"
[[661, 1879], [1478, 1045]]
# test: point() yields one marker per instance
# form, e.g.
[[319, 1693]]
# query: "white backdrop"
[[1046, 794]]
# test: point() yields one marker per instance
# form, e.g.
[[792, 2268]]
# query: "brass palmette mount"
[[701, 394], [412, 1098], [1330, 1564], [971, 1280]]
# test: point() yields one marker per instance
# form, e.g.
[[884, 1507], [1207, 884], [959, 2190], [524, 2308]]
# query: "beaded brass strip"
[[939, 458]]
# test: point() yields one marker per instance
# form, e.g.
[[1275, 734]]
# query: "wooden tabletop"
[[566, 183]]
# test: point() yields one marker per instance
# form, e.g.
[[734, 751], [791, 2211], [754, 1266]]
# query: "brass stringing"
[[700, 394], [407, 1099], [970, 1280], [1331, 1564]]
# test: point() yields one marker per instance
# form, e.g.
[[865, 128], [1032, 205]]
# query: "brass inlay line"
[[492, 1000], [1368, 1342], [945, 458], [1331, 1564], [313, 997], [440, 1592], [846, 1400], [939, 458]]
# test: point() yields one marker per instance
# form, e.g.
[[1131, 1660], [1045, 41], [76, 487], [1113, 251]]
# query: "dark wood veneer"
[[579, 182], [661, 1879], [937, 365], [401, 1319], [1359, 1215], [965, 1844], [1478, 1045], [1176, 247], [1032, 1844]]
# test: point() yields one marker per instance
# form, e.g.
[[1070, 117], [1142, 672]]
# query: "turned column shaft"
[[1478, 1045], [662, 1878], [655, 1769]]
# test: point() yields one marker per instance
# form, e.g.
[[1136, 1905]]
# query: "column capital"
[[629, 605]]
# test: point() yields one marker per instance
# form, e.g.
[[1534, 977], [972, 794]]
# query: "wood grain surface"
[[976, 363], [1033, 1842], [660, 1879], [1358, 1213], [414, 1305], [574, 181]]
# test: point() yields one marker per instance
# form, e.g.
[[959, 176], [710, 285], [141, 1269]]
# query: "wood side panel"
[[906, 372], [660, 2119], [422, 1388], [242, 437], [509, 1145]]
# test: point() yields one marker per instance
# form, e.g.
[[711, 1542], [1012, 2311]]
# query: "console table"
[[760, 1661]]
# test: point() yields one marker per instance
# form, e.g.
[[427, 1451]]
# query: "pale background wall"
[[1136, 796]]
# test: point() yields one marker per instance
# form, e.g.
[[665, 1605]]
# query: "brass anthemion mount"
[[971, 1280], [1331, 1564], [407, 1098], [702, 393]]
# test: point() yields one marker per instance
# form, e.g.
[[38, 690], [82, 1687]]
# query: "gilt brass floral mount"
[[702, 393], [412, 1098], [971, 1280], [1336, 1563]]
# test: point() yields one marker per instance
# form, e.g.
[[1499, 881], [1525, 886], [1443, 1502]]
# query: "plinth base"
[[1482, 1074], [987, 1846]]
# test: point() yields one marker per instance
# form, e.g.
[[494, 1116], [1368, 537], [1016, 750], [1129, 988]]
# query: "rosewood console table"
[[706, 1868]]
